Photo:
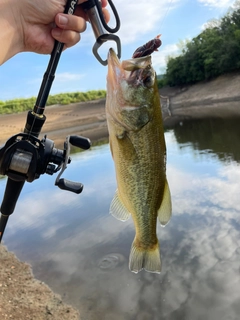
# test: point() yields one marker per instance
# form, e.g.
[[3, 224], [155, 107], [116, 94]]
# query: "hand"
[[33, 25], [38, 17]]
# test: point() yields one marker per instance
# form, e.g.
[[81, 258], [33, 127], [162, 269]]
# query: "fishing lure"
[[148, 48]]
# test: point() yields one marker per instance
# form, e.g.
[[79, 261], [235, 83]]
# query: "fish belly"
[[139, 159]]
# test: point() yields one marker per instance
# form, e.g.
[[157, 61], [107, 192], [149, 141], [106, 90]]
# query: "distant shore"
[[83, 118], [219, 97], [216, 98]]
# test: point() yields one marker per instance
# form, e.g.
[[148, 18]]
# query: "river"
[[81, 252]]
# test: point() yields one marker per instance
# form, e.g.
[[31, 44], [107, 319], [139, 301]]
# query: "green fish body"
[[138, 149]]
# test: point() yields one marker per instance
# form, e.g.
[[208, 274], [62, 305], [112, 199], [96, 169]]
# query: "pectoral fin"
[[117, 208], [165, 210]]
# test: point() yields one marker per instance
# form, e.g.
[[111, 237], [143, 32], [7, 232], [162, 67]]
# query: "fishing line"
[[166, 13]]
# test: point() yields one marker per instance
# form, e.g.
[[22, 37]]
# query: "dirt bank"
[[22, 297], [216, 98], [84, 118]]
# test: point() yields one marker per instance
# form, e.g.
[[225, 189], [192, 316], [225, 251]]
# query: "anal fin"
[[117, 208]]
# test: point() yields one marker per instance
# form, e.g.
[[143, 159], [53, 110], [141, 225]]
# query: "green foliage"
[[19, 105], [214, 51], [161, 81]]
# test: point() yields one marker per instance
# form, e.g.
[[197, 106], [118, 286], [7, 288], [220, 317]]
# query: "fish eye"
[[148, 81]]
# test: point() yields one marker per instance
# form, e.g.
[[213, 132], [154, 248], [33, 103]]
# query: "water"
[[81, 251]]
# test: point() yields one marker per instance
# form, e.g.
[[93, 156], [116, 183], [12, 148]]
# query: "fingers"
[[104, 3], [68, 29], [106, 15], [79, 11], [68, 37], [70, 22]]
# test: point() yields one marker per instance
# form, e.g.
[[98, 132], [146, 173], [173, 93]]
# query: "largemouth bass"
[[138, 149]]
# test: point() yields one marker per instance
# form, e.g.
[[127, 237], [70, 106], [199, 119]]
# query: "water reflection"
[[82, 252], [219, 136]]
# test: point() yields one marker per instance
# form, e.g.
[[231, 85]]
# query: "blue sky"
[[142, 20]]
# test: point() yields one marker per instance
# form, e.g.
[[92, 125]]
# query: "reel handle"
[[64, 184], [80, 142], [67, 185]]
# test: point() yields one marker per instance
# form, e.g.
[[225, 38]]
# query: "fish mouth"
[[113, 58], [115, 71], [118, 71]]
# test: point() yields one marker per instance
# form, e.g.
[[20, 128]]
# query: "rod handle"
[[11, 194]]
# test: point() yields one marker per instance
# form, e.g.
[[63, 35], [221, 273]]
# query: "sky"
[[141, 21]]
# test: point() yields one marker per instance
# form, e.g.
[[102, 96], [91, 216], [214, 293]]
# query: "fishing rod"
[[24, 157]]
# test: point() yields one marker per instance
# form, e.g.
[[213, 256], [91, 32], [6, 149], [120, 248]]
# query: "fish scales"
[[138, 148], [134, 169]]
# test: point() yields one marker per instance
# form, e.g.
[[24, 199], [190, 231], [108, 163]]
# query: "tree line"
[[215, 51]]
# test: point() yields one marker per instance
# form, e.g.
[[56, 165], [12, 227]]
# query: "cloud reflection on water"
[[200, 246], [209, 206]]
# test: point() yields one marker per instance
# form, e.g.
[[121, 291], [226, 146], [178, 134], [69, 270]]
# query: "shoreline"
[[217, 98], [25, 297], [83, 118]]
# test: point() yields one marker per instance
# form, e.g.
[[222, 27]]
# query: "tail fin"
[[148, 259]]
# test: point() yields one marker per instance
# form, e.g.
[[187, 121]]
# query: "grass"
[[20, 105]]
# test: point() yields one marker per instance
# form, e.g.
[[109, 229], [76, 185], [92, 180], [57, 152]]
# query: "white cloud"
[[211, 24], [139, 18], [67, 76], [217, 3], [60, 78], [220, 192], [67, 82], [159, 59]]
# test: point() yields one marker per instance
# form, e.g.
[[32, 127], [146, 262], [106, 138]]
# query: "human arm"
[[33, 25]]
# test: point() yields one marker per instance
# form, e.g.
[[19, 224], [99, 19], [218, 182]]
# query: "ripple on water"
[[111, 261]]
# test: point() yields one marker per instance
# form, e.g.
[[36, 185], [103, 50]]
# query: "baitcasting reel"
[[24, 157]]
